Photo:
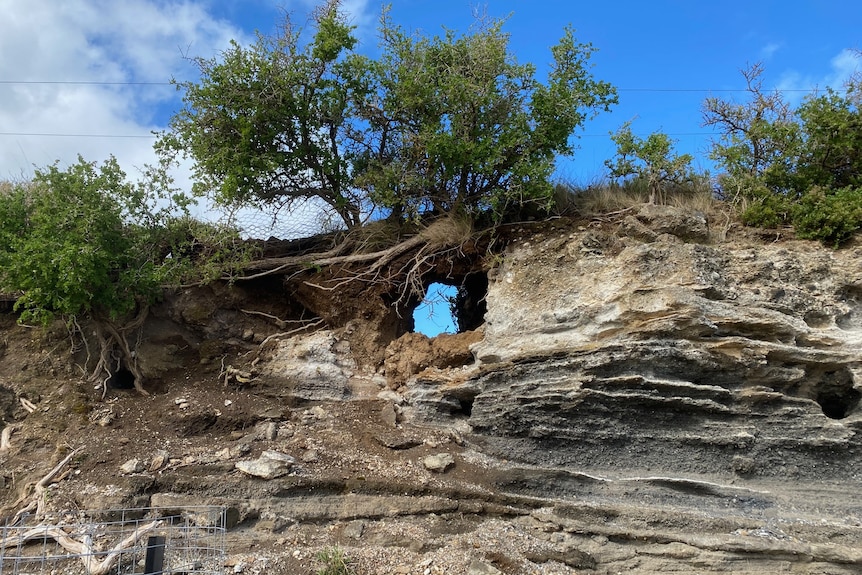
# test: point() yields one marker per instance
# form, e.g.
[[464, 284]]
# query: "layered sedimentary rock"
[[656, 348]]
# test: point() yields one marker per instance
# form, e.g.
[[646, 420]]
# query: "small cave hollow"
[[460, 402], [122, 379], [838, 404], [835, 393], [466, 406], [452, 305]]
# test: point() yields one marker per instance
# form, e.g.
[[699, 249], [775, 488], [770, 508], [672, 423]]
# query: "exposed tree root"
[[380, 258], [113, 340], [403, 265]]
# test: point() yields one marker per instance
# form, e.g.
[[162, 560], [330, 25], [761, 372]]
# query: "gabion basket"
[[190, 540]]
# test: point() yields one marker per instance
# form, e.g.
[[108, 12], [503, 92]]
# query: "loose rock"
[[438, 463], [269, 465]]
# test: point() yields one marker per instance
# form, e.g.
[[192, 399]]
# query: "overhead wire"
[[117, 83]]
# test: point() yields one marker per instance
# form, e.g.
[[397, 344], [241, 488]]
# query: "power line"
[[58, 135], [690, 90], [83, 83]]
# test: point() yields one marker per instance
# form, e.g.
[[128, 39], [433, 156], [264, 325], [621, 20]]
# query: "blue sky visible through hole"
[[433, 316]]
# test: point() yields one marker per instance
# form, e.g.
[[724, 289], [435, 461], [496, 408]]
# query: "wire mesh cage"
[[150, 541], [302, 219]]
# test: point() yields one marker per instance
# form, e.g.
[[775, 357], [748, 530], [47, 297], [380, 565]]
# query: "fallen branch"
[[84, 550]]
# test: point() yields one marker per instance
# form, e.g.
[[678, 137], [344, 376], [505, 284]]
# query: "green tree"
[[433, 125], [802, 166], [86, 245], [269, 124], [759, 139], [831, 155], [652, 160], [468, 128]]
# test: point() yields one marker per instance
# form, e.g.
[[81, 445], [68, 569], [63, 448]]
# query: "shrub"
[[831, 216]]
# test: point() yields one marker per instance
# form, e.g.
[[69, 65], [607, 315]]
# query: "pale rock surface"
[[439, 462], [317, 366], [270, 465], [736, 359]]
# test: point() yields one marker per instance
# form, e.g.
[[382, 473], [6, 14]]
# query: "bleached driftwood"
[[83, 549], [36, 499]]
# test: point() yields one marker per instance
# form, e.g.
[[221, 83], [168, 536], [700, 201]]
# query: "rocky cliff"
[[648, 393]]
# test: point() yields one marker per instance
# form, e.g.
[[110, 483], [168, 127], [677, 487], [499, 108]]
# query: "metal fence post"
[[155, 560]]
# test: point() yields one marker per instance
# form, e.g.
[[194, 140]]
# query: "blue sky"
[[664, 56]]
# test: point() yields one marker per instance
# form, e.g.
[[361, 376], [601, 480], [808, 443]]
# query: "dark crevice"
[[838, 404], [122, 379]]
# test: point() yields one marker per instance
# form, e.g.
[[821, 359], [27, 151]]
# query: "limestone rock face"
[[670, 357], [315, 367]]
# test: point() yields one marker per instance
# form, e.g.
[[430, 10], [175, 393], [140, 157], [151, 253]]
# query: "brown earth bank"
[[649, 393]]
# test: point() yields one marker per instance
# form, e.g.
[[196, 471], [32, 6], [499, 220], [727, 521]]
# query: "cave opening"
[[452, 305], [122, 379], [838, 403]]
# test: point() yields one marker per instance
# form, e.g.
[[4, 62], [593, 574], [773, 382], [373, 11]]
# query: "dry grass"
[[603, 197], [450, 230]]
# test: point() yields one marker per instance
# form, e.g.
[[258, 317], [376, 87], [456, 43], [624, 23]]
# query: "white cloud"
[[53, 55], [93, 41], [769, 50], [796, 86]]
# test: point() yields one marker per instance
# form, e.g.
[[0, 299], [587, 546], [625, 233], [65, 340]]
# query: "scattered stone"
[[354, 529], [390, 395], [397, 440], [438, 463], [388, 415], [132, 466], [742, 465], [227, 403], [248, 335], [272, 413], [477, 567], [269, 430], [310, 456], [159, 460], [316, 413], [269, 465]]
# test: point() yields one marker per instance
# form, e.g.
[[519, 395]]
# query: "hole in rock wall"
[[834, 391], [452, 307], [433, 315], [466, 406], [122, 379], [838, 404]]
